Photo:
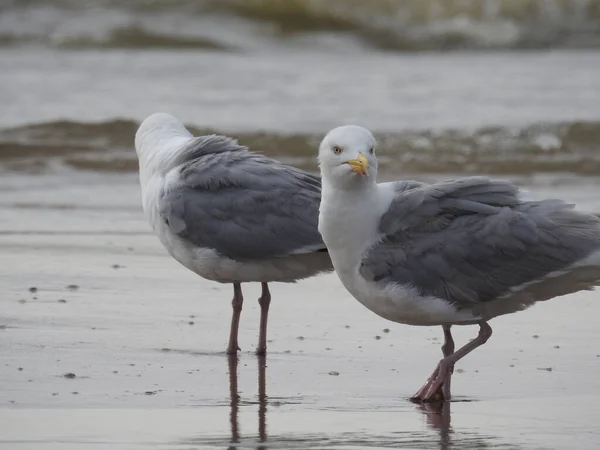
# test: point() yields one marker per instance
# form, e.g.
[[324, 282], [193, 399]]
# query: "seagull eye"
[[372, 150], [337, 150]]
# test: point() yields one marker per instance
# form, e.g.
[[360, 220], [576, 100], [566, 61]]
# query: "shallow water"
[[496, 113], [300, 90], [144, 339], [241, 25], [78, 77], [106, 342]]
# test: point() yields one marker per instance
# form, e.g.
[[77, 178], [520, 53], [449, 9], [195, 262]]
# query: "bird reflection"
[[235, 401], [441, 435], [438, 418], [262, 400]]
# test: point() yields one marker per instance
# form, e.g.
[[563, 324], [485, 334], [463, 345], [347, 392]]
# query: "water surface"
[[106, 342]]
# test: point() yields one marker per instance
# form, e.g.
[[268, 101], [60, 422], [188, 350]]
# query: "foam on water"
[[543, 148], [397, 25]]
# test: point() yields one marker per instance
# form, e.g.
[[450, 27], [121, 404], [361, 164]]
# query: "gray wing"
[[472, 240], [243, 205]]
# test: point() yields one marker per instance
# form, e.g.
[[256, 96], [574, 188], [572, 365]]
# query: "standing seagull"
[[227, 214], [453, 253]]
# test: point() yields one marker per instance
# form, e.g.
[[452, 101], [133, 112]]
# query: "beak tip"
[[359, 165]]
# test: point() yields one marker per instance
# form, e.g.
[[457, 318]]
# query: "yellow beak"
[[360, 164]]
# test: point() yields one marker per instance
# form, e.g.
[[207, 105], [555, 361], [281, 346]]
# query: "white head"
[[347, 156], [156, 130], [158, 141]]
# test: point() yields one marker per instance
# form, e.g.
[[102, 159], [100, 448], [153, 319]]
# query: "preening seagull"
[[228, 214], [457, 252]]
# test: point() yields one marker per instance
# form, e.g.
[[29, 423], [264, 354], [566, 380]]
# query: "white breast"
[[349, 231]]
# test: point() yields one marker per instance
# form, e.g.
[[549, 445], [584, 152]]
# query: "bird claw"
[[432, 391], [435, 392], [431, 395]]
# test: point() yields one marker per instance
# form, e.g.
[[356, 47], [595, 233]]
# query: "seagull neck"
[[162, 155], [351, 190], [348, 219]]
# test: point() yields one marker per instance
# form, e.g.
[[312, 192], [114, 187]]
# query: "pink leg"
[[447, 350], [264, 301], [443, 373], [236, 304]]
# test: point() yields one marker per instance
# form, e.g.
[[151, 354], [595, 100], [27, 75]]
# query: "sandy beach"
[[106, 342]]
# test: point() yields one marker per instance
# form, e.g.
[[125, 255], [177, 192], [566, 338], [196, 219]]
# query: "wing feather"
[[243, 205], [473, 240]]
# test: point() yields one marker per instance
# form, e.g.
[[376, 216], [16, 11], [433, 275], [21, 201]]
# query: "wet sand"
[[121, 347]]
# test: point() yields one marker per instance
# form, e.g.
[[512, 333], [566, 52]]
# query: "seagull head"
[[155, 132], [347, 155]]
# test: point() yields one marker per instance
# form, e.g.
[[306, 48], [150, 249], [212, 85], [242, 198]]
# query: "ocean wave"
[[134, 37], [395, 25], [536, 149]]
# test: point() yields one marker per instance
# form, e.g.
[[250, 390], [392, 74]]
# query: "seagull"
[[228, 214], [459, 252]]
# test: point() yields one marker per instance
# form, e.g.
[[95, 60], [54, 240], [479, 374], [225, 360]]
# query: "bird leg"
[[264, 301], [236, 304], [443, 372], [446, 365], [447, 350], [448, 347]]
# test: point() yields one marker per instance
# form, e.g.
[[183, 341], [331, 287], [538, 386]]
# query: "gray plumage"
[[474, 240], [243, 205], [454, 253], [229, 215]]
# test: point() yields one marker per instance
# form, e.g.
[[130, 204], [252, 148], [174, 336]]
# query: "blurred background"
[[95, 314], [450, 87]]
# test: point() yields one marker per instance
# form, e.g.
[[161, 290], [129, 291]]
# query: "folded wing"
[[474, 240], [243, 205]]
